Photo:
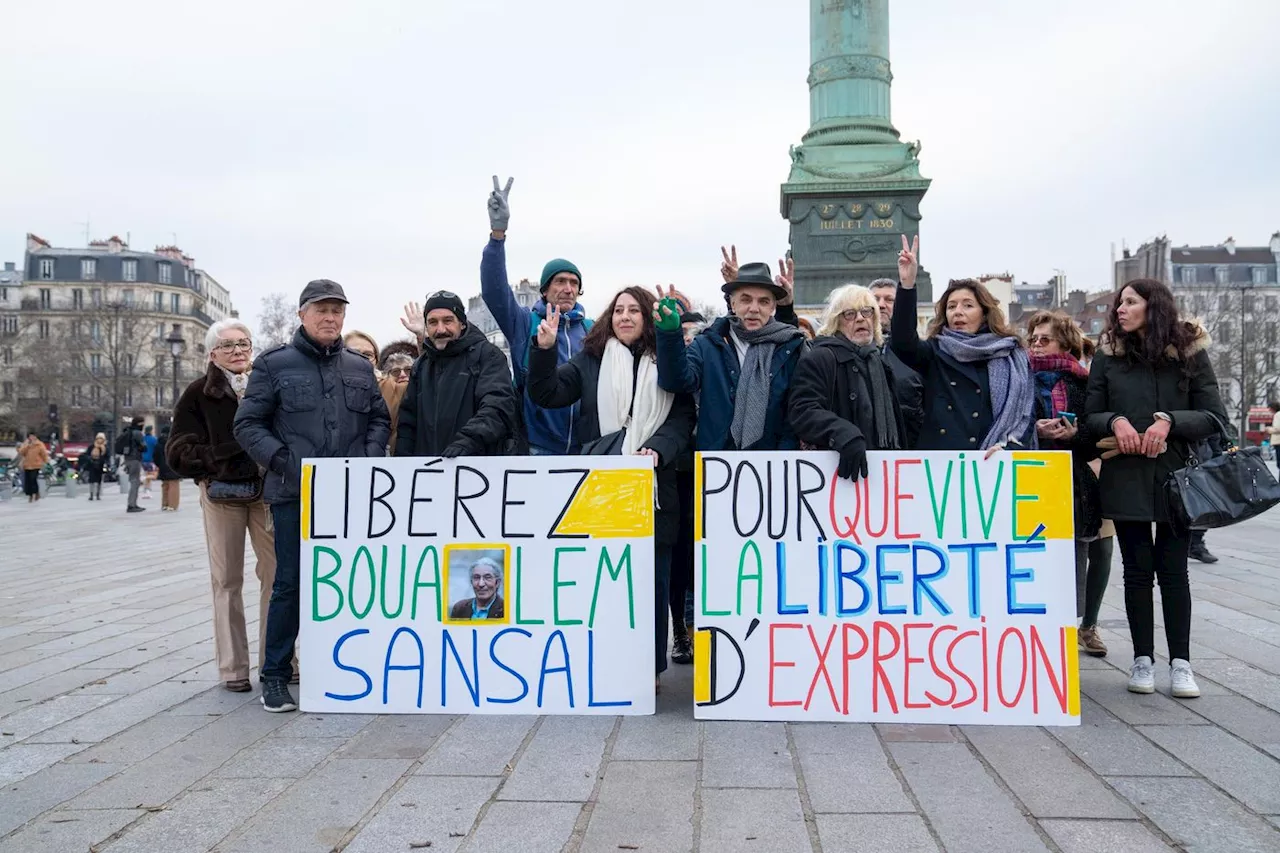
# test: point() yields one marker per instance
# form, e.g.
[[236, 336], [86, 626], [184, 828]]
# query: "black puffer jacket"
[[576, 380], [1183, 387], [462, 395], [830, 399], [306, 400]]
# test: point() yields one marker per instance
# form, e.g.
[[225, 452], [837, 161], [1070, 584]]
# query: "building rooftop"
[[1221, 255]]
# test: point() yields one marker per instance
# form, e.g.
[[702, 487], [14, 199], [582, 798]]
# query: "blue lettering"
[[473, 686], [780, 561], [388, 666], [885, 577], [493, 656], [1015, 575], [841, 548], [544, 671], [922, 584], [973, 549], [591, 678], [368, 682]]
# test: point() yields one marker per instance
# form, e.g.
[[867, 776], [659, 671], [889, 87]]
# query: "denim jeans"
[[133, 468], [283, 611]]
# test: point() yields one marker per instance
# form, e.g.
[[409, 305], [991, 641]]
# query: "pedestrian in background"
[[92, 464], [170, 480], [129, 447], [148, 462], [33, 455]]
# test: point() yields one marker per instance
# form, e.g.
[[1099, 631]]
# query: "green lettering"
[[706, 590], [520, 620], [624, 561], [1019, 498], [964, 504], [758, 577], [373, 580], [556, 584], [382, 591], [987, 519], [939, 512], [317, 579], [434, 583]]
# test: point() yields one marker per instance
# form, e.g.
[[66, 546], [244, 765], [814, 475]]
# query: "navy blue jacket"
[[307, 401], [708, 368], [551, 430]]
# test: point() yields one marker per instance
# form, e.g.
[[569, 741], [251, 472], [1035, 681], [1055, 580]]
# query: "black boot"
[[682, 652], [1200, 552]]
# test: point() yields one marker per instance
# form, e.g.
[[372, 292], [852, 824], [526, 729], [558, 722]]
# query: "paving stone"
[[122, 713], [935, 772], [874, 833], [68, 829], [405, 736], [477, 746], [52, 786], [1195, 815], [1250, 776], [746, 755], [1111, 692], [1243, 718], [436, 809], [665, 736], [1261, 687], [909, 733], [770, 821], [321, 809], [1041, 774], [282, 757], [1111, 748], [213, 702], [142, 741], [648, 804], [846, 770], [22, 759], [324, 725], [561, 761], [204, 816], [52, 686], [527, 827], [1095, 836], [45, 716]]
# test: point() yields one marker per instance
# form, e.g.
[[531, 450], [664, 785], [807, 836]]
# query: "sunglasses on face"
[[853, 313], [231, 346], [400, 371], [1040, 340], [443, 294]]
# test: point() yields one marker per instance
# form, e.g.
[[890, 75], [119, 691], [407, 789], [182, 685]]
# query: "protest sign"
[[940, 589], [477, 586]]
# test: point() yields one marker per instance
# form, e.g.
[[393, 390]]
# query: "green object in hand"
[[668, 321]]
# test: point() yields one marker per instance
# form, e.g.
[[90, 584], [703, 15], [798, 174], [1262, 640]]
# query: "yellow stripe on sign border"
[[1070, 643], [697, 497], [306, 501], [701, 666]]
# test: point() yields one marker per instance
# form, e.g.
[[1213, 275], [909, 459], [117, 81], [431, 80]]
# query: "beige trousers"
[[169, 491], [224, 530]]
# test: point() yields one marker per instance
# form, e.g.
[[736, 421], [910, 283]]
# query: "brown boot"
[[1090, 643]]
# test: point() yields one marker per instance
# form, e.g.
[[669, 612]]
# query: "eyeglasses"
[[853, 313], [231, 346], [489, 578], [443, 294], [1040, 340], [400, 371]]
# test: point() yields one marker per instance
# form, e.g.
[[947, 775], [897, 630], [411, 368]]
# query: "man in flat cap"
[[460, 401], [311, 397]]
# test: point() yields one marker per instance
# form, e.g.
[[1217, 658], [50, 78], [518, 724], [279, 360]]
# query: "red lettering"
[[906, 652], [849, 532], [933, 662], [973, 688], [899, 496], [1022, 678], [846, 658], [1059, 687], [884, 512], [878, 675], [777, 664], [821, 669], [986, 670]]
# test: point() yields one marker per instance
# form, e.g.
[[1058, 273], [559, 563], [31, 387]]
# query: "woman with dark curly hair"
[[1152, 387]]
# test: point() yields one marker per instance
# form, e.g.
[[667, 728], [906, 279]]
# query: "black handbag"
[[234, 492], [606, 445], [1222, 490]]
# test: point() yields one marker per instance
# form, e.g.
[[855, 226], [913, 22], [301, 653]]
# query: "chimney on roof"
[[115, 245], [1275, 244], [1230, 245], [1076, 300], [35, 244]]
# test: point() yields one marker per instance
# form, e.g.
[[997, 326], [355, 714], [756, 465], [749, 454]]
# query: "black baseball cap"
[[319, 290]]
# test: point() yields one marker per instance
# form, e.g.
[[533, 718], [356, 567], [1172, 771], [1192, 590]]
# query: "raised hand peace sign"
[[729, 269], [499, 212], [672, 293], [786, 279], [549, 328], [909, 262]]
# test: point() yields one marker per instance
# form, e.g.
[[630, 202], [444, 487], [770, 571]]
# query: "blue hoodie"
[[550, 430]]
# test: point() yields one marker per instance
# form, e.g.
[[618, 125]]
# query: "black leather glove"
[[853, 460], [454, 450]]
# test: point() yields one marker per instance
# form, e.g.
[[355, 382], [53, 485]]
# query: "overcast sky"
[[278, 142]]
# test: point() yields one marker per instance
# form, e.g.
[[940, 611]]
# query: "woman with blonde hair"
[[91, 465], [362, 345], [842, 395]]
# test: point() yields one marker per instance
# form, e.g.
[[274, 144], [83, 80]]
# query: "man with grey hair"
[[311, 397], [908, 387], [486, 585]]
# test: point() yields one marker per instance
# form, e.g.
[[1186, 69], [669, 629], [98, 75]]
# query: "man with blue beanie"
[[550, 431]]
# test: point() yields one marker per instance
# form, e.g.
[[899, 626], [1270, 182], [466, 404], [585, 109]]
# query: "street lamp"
[[177, 345]]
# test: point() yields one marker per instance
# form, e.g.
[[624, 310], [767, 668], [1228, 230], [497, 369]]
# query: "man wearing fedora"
[[549, 431], [740, 367], [311, 397]]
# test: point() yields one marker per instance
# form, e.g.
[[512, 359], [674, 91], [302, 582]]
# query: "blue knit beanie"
[[554, 267]]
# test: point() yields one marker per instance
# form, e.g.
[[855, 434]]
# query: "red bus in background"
[[1258, 426]]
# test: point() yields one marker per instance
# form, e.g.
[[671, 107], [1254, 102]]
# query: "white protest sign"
[[513, 585]]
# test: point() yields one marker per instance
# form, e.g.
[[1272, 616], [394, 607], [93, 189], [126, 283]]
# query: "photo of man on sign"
[[476, 580]]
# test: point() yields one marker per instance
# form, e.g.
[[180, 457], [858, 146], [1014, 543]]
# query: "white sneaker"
[[1184, 683], [1142, 678]]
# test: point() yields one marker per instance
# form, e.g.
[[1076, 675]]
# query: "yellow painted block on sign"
[[1042, 495], [305, 515], [612, 504], [1069, 640], [701, 666]]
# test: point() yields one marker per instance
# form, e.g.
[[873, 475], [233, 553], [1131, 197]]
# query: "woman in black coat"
[[978, 390], [170, 480], [1152, 387], [92, 464], [615, 378], [842, 394], [1056, 347]]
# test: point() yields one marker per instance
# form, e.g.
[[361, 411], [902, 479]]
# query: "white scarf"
[[614, 392], [239, 382]]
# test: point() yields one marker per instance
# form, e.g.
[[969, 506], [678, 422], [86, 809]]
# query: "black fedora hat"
[[754, 275]]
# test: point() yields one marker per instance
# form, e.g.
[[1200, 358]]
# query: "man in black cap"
[[311, 397], [740, 367], [460, 400]]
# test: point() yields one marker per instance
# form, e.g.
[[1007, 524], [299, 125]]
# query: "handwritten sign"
[[940, 589], [479, 586]]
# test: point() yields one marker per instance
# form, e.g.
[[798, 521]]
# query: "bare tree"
[[277, 322]]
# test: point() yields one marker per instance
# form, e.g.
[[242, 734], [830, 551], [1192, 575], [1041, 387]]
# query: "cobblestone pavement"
[[115, 736]]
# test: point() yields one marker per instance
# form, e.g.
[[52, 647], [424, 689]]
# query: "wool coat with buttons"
[[957, 395]]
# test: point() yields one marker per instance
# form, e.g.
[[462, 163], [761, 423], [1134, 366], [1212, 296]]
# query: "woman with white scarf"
[[615, 378], [201, 446]]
